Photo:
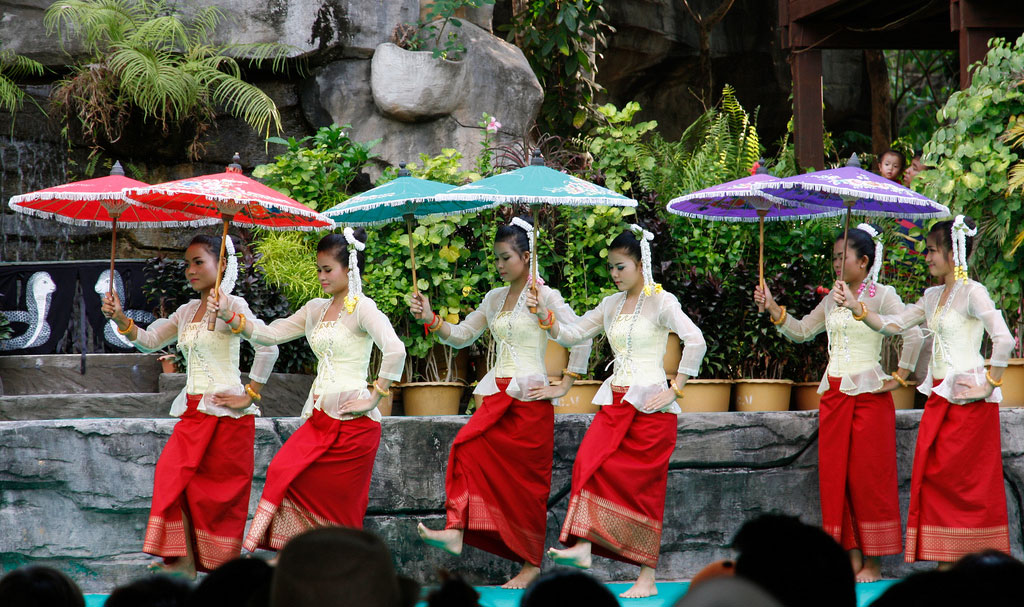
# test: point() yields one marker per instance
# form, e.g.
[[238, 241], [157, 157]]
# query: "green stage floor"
[[668, 593]]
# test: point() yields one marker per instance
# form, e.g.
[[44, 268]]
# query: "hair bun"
[[359, 233]]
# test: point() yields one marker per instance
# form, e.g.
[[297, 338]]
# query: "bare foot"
[[576, 556], [527, 575], [856, 560], [944, 566], [182, 567], [643, 587], [273, 561], [449, 540], [871, 571]]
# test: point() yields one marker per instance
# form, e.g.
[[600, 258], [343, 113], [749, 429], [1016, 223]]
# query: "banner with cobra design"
[[54, 307]]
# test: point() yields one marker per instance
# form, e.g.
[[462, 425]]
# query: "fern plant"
[[13, 66], [719, 146], [146, 58]]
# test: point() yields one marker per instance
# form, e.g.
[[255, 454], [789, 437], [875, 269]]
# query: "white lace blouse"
[[854, 350], [638, 342], [520, 341], [342, 348], [958, 327], [211, 356]]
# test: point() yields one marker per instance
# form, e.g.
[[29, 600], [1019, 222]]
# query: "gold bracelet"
[[994, 383], [782, 317], [676, 388], [241, 325], [900, 380], [131, 323], [548, 322], [863, 312], [571, 374], [436, 319], [383, 393], [252, 393]]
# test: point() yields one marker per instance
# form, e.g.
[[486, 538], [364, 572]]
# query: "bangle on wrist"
[[900, 380], [241, 325], [383, 393], [548, 322], [863, 312], [571, 374], [252, 393], [232, 319], [992, 382], [435, 323], [128, 329], [676, 388], [782, 316]]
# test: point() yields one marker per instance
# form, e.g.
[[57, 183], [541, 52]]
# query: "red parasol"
[[232, 197], [100, 202]]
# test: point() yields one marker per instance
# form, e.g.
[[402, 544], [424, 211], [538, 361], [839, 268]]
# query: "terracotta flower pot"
[[1013, 384], [432, 398], [167, 363], [903, 398], [805, 396], [580, 397], [705, 395], [556, 358], [762, 394]]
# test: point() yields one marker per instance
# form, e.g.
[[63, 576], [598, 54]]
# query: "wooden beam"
[[831, 35], [807, 109], [800, 9]]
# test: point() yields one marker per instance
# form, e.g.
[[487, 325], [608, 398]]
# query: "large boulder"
[[495, 78]]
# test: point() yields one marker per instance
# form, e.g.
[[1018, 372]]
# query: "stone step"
[[62, 374]]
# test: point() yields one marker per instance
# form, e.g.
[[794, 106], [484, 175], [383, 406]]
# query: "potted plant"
[[705, 299], [419, 75]]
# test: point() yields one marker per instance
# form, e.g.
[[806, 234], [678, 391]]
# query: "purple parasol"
[[744, 200], [851, 187]]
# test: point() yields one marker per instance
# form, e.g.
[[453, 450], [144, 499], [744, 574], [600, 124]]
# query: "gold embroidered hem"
[[165, 538], [948, 544], [879, 538], [473, 513], [273, 526], [620, 530]]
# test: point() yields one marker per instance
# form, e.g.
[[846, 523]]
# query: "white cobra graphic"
[[39, 290], [110, 328]]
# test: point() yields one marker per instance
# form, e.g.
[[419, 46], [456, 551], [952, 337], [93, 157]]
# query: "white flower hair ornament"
[[227, 283], [355, 281], [526, 227], [876, 267], [645, 239], [958, 237]]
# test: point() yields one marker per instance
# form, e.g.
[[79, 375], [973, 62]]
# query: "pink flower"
[[493, 125]]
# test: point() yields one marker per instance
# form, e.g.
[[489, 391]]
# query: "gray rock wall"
[[75, 493]]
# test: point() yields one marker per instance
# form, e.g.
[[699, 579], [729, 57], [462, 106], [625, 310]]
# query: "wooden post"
[[807, 109]]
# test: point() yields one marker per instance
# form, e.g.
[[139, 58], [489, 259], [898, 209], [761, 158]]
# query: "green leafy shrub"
[[147, 59], [616, 146], [970, 162]]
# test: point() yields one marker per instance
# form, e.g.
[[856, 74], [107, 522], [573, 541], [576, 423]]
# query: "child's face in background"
[[889, 166]]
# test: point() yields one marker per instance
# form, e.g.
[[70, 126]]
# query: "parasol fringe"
[[735, 219], [43, 214], [859, 194], [499, 199]]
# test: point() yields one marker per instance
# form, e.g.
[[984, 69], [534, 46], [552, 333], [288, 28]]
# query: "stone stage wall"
[[74, 494]]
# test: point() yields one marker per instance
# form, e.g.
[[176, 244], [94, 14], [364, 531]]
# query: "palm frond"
[[247, 102], [258, 52], [14, 65], [167, 33], [152, 80]]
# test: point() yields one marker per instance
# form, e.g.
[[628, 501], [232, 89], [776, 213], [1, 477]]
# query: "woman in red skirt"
[[204, 474], [499, 468], [857, 419], [957, 498], [621, 470], [321, 475]]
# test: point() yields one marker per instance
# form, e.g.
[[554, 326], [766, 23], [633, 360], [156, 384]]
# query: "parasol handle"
[[412, 258], [533, 254], [113, 251], [212, 324], [846, 233], [760, 251]]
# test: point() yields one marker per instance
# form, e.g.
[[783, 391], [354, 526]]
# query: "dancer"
[[321, 476], [621, 470], [499, 469], [957, 499], [204, 474], [857, 419]]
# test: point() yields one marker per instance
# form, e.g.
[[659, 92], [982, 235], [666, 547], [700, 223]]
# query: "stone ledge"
[[75, 494], [61, 373]]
